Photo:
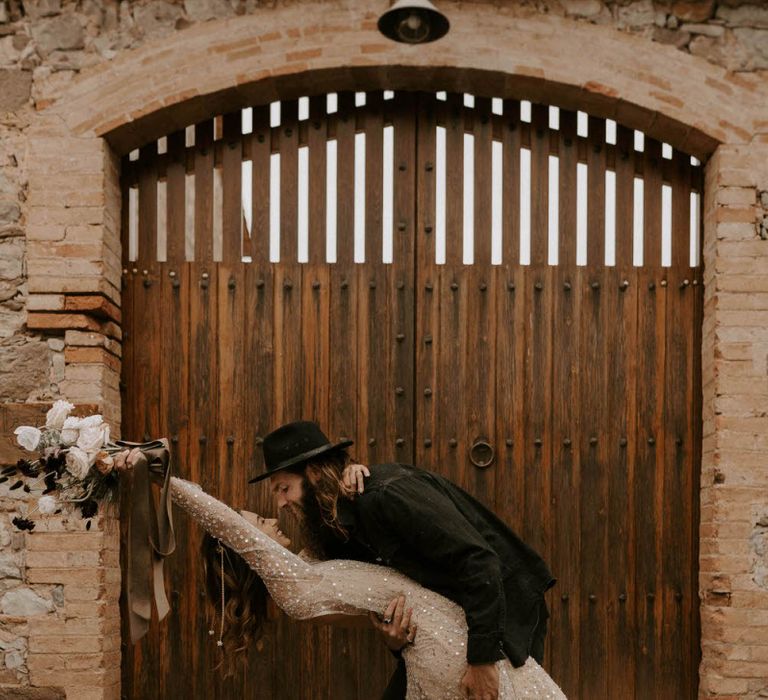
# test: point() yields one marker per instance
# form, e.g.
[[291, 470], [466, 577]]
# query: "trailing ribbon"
[[150, 536]]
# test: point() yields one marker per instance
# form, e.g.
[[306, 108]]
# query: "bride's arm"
[[287, 577]]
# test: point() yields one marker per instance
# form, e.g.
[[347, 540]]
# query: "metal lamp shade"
[[413, 22]]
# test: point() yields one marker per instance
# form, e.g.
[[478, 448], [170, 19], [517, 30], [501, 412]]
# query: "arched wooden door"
[[442, 297]]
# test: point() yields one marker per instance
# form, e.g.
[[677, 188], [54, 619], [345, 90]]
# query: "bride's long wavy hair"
[[245, 603]]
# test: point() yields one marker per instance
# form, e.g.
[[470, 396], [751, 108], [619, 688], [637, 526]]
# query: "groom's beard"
[[307, 513]]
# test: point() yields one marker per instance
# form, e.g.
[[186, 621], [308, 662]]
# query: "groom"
[[425, 527]]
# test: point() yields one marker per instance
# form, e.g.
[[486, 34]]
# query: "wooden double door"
[[562, 392]]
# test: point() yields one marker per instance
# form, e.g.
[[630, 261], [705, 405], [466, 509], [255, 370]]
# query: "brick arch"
[[219, 66]]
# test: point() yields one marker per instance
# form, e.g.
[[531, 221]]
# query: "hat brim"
[[303, 457]]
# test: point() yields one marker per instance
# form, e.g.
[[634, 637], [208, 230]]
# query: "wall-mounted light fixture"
[[413, 22]]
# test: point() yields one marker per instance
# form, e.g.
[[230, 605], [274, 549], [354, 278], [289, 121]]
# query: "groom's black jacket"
[[431, 530]]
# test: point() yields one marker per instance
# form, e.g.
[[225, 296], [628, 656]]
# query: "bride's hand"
[[126, 459], [353, 476]]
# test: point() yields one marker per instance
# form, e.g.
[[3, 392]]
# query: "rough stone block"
[[24, 364], [62, 33], [15, 88], [24, 602]]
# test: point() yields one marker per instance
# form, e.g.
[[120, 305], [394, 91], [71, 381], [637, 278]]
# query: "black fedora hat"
[[294, 443]]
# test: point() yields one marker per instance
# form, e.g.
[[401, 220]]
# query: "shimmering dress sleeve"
[[290, 580]]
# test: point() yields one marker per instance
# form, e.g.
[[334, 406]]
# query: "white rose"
[[91, 439], [70, 430], [47, 505], [58, 414], [28, 437], [78, 462], [91, 421]]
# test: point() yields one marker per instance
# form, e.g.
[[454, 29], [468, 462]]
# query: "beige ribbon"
[[150, 536]]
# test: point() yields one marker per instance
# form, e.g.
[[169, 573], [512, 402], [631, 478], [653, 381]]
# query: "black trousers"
[[398, 683]]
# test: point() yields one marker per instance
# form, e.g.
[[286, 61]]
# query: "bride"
[[435, 661]]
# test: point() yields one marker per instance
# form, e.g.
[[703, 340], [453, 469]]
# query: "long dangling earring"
[[211, 632]]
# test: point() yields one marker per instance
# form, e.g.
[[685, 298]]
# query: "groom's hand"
[[481, 682], [395, 626]]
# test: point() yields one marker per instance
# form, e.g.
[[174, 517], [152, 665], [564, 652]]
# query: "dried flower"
[[78, 462], [70, 431], [104, 462], [93, 438], [28, 437], [47, 505], [23, 523], [58, 414], [88, 508], [26, 467]]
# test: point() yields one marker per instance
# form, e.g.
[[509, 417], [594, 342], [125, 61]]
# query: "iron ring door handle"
[[481, 454]]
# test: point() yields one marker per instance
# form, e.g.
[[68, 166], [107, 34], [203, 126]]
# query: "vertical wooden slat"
[[564, 639], [404, 263], [483, 177], [289, 178], [374, 145], [260, 199], [204, 407], [568, 158], [454, 178], [681, 210], [176, 217], [652, 182], [127, 366], [288, 387], [343, 367], [675, 529], [174, 401], [232, 199], [451, 283], [596, 192], [593, 553], [375, 327], [625, 176], [345, 173], [510, 399], [316, 345], [317, 143], [619, 298], [510, 236], [537, 293], [539, 184], [264, 672], [648, 486], [426, 330], [479, 387], [147, 253], [694, 440], [204, 192]]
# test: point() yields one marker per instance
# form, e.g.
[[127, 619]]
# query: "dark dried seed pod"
[[3, 479], [17, 485], [23, 523]]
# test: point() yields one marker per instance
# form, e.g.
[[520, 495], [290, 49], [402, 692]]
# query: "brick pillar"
[[734, 507], [72, 620]]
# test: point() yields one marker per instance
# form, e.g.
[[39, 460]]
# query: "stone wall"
[[60, 272]]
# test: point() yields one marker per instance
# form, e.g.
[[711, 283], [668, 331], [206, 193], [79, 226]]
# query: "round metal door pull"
[[481, 454]]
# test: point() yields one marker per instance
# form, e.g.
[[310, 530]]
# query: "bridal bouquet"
[[74, 465]]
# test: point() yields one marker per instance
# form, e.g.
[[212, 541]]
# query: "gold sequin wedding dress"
[[435, 663]]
